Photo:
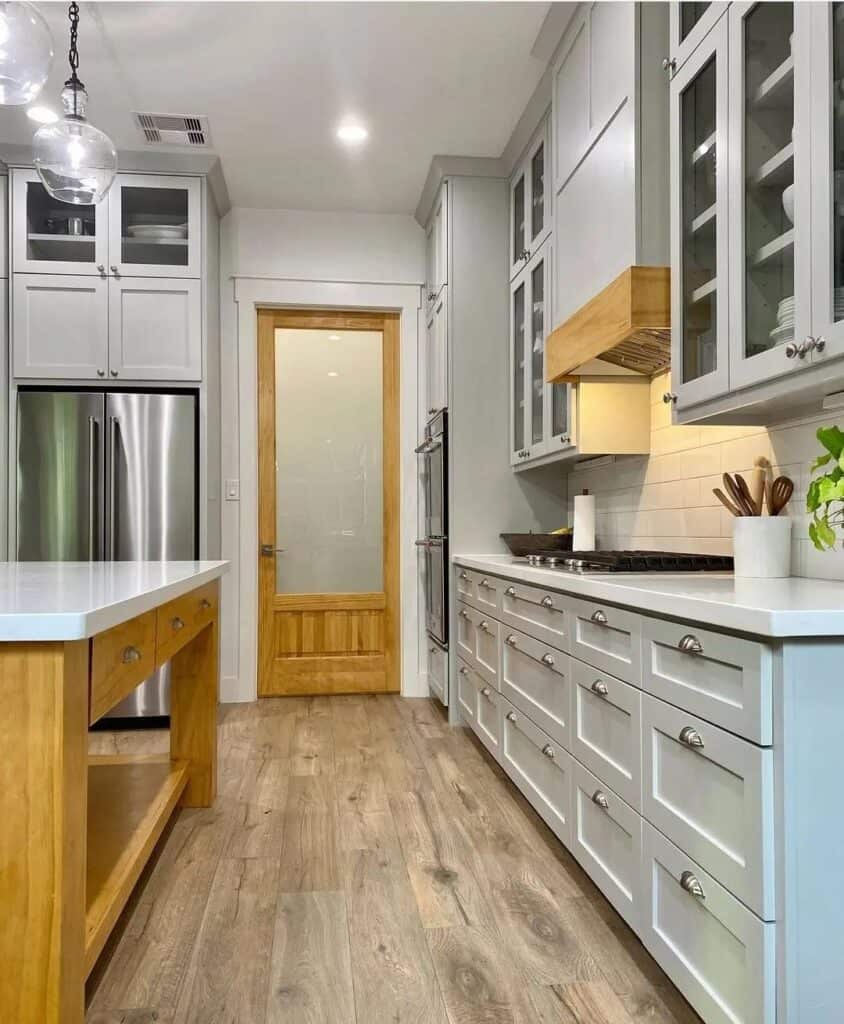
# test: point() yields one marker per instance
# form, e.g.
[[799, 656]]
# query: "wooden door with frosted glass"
[[328, 502]]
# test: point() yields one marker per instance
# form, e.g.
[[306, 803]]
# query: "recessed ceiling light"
[[42, 115], [334, 337], [352, 133], [333, 373]]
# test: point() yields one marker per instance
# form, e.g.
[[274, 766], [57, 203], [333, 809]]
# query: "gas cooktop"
[[628, 561]]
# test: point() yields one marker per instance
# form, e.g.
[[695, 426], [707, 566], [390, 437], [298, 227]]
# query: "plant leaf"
[[823, 535], [832, 439], [830, 490], [813, 500], [821, 460]]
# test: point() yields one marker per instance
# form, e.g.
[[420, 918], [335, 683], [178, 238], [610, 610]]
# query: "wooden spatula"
[[781, 491]]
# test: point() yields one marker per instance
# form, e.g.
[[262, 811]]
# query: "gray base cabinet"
[[693, 773]]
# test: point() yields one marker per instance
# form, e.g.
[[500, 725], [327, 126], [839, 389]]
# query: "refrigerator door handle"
[[92, 488], [113, 426]]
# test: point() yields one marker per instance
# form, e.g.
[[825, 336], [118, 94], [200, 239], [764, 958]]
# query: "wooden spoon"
[[757, 483], [725, 501], [781, 491], [735, 493], [744, 487]]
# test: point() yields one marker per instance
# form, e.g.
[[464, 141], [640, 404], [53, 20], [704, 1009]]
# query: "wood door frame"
[[388, 601]]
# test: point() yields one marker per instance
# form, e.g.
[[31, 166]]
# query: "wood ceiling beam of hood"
[[627, 324]]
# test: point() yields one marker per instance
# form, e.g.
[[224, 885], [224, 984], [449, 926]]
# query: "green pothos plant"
[[825, 497]]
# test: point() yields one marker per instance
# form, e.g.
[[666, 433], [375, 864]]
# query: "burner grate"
[[633, 561]]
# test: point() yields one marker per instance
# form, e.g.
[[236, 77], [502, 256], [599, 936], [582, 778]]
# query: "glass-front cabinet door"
[[155, 226], [689, 23], [770, 151], [530, 209], [700, 254], [519, 302], [827, 103], [51, 237]]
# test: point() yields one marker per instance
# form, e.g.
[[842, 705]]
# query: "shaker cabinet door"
[[155, 329], [60, 326]]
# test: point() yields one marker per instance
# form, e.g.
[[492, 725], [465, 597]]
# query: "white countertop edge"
[[58, 626], [664, 595]]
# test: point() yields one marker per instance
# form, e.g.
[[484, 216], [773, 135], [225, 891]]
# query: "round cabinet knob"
[[114, 270], [510, 641], [599, 617], [464, 614], [101, 373], [690, 883], [130, 654], [669, 398], [820, 344], [431, 296], [464, 576], [511, 716], [510, 592], [101, 269], [484, 626], [548, 659], [485, 691], [177, 623], [691, 737], [546, 602], [464, 671], [670, 64], [600, 799], [432, 650], [205, 604], [690, 644], [600, 688], [484, 583], [565, 439], [114, 373], [548, 751], [791, 350]]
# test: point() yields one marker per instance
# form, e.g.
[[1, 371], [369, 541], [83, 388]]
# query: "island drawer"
[[477, 641], [539, 767], [482, 591], [182, 618], [724, 679], [121, 658], [607, 840], [540, 613], [607, 637], [606, 730], [711, 793], [536, 678], [718, 953]]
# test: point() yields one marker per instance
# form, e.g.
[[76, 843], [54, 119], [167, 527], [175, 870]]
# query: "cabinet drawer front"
[[467, 632], [540, 768], [182, 618], [719, 954], [488, 717], [714, 801], [607, 840], [724, 679], [540, 613], [438, 672], [606, 732], [536, 679], [609, 638], [480, 590], [467, 693], [121, 658], [487, 639]]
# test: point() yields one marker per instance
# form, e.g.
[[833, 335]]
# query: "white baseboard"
[[231, 692]]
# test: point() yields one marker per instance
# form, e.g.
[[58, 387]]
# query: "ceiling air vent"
[[173, 129]]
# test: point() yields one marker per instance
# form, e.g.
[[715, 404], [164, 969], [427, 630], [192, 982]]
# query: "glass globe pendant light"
[[26, 53], [75, 161]]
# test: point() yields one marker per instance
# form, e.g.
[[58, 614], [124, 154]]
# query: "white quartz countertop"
[[75, 600], [795, 607]]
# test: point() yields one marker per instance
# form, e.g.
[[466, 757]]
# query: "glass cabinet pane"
[[519, 218], [519, 368], [769, 177], [690, 15], [837, 215], [560, 409], [537, 188], [698, 202], [537, 352], [154, 226], [56, 231]]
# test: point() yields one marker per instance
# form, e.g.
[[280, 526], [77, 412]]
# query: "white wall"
[[291, 258], [664, 500]]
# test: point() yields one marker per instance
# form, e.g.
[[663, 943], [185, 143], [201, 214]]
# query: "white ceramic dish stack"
[[784, 331]]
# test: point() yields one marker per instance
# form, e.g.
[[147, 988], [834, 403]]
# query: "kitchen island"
[[77, 830]]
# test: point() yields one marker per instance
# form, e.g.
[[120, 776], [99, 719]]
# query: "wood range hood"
[[628, 324]]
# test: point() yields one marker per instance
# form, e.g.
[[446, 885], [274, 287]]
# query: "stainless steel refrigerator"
[[108, 476]]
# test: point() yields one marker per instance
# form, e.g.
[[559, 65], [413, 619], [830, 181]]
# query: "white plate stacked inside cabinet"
[[540, 767], [607, 637], [536, 679], [539, 613]]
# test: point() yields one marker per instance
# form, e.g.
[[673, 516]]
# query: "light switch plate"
[[232, 490]]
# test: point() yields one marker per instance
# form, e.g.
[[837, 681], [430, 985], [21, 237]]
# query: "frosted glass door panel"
[[329, 461]]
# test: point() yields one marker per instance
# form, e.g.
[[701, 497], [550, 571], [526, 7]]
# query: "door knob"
[[267, 550]]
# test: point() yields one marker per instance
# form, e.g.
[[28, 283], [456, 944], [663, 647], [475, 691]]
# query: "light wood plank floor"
[[365, 863]]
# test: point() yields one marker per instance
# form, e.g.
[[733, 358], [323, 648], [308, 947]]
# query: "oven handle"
[[428, 447]]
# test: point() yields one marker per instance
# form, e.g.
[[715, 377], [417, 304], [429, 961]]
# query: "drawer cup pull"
[[511, 716], [600, 688], [205, 604], [130, 654], [547, 602], [599, 618], [548, 659], [690, 644], [510, 641], [601, 800], [691, 737], [177, 623], [692, 886], [548, 750], [485, 691], [510, 592]]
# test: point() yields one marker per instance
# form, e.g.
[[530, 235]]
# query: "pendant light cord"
[[73, 54]]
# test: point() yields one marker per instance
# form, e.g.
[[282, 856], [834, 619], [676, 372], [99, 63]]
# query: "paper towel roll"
[[584, 522]]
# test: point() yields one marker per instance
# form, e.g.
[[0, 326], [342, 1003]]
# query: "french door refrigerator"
[[108, 477]]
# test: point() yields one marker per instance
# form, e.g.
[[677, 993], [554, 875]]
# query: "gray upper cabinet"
[[530, 201], [690, 22], [436, 247]]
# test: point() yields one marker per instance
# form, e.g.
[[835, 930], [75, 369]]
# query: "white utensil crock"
[[762, 547]]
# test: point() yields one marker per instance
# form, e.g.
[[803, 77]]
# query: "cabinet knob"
[[510, 641], [548, 751], [484, 626], [130, 654], [463, 670], [548, 659], [670, 64], [101, 373], [510, 592], [511, 716], [484, 583], [464, 614], [600, 799], [177, 623], [690, 644], [524, 255], [600, 688], [431, 296], [464, 576], [599, 617], [690, 883], [669, 398], [205, 604], [820, 344], [791, 350], [101, 269], [114, 373], [485, 691], [565, 439], [546, 602], [113, 268], [691, 737]]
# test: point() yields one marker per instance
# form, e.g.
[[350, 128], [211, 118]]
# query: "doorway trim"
[[239, 608], [383, 609]]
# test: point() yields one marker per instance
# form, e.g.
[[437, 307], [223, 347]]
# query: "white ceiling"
[[276, 78]]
